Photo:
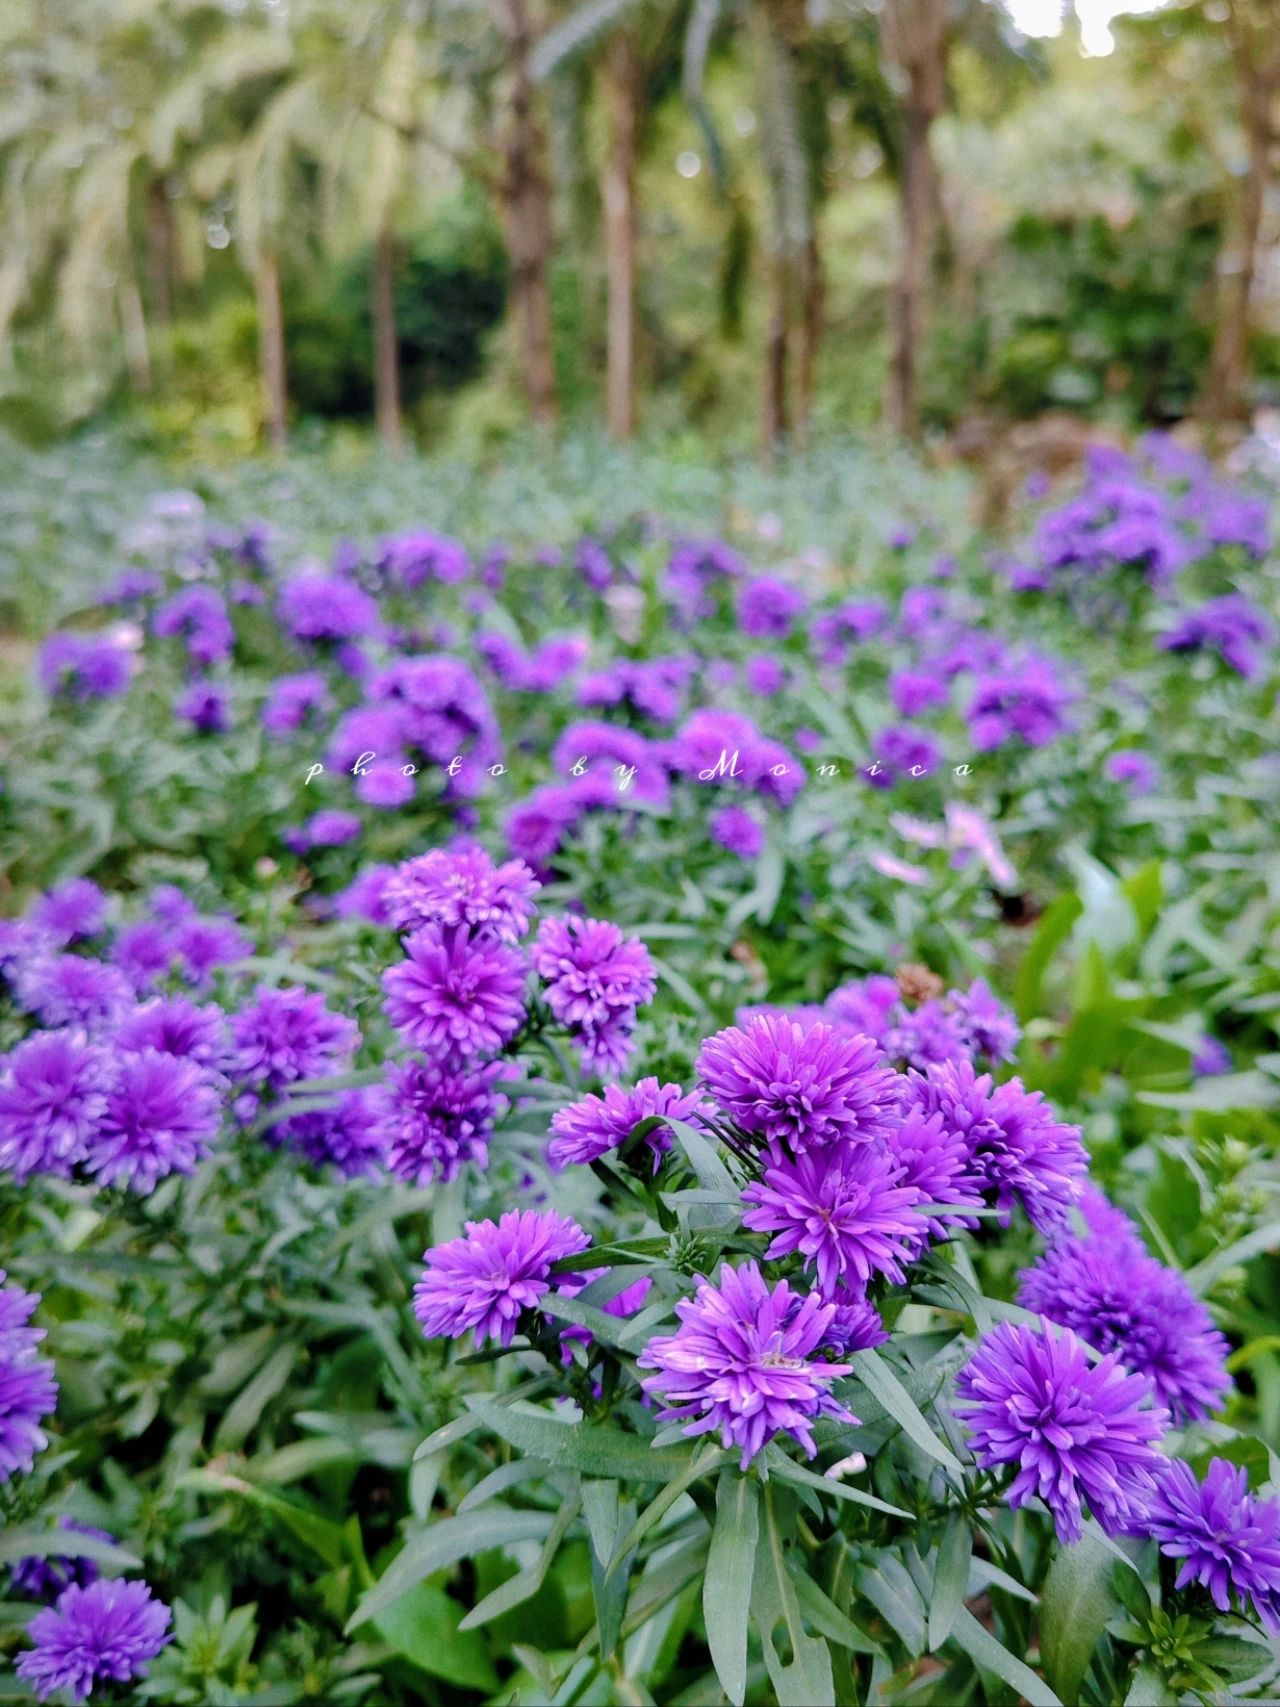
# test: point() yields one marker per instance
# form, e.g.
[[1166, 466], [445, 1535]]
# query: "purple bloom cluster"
[[1225, 1538], [28, 1391], [465, 888], [743, 1363], [1230, 626], [483, 1282], [430, 1118], [105, 1632], [456, 995], [591, 1127], [594, 981], [1076, 1432], [84, 667]]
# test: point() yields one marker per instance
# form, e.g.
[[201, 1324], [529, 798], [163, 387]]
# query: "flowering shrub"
[[673, 1127]]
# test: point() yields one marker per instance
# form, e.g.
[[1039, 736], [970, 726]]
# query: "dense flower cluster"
[[105, 1632], [483, 1282]]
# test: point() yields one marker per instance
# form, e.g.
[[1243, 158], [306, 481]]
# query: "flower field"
[[663, 1095]]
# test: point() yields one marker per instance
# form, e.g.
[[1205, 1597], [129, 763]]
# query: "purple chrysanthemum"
[[51, 1100], [105, 1633], [465, 888], [735, 829], [71, 911], [1016, 1147], [144, 953], [856, 1326], [161, 1117], [206, 706], [1210, 1057], [848, 1215], [44, 1576], [176, 1026], [71, 989], [453, 995], [595, 980], [287, 1035], [481, 1283], [431, 1119], [594, 1125], [1225, 1538], [935, 1160], [986, 1026], [83, 667], [800, 1087], [768, 608], [1118, 1298], [202, 945], [295, 701], [740, 1363], [28, 1391], [344, 1134], [1077, 1431]]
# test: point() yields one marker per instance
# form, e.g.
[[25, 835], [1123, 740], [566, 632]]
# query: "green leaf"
[[990, 1655], [710, 1458], [594, 1449], [1262, 1239], [1075, 1604], [525, 1584], [806, 1679], [36, 1543], [1223, 1094], [787, 1470], [726, 1588], [241, 1416], [444, 1544], [883, 1385], [423, 1626], [1148, 1689], [950, 1577], [1052, 931]]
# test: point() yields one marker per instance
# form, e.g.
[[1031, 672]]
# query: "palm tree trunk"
[[386, 353], [618, 194], [271, 366], [133, 323], [526, 196]]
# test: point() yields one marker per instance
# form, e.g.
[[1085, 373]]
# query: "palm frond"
[[573, 35]]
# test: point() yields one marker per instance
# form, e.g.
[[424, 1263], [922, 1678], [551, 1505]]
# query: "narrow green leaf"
[[444, 1544], [1262, 1239], [426, 1627], [787, 1470], [990, 1655], [593, 1449], [1075, 1604], [885, 1386], [241, 1416], [950, 1577], [33, 1543], [710, 1458], [726, 1588], [806, 1679]]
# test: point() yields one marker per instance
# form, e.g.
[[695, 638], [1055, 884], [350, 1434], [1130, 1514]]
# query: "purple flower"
[[723, 746], [52, 1096], [768, 608], [651, 688], [71, 912], [594, 1125], [431, 1119], [105, 1633], [798, 1087], [538, 825], [144, 953], [287, 1035], [934, 1160], [985, 1025], [847, 1214], [483, 1282], [18, 1340], [71, 989], [1120, 1299], [44, 1576], [364, 897], [463, 888], [1016, 1147], [1230, 626], [204, 944], [206, 706], [734, 828], [295, 701], [28, 1391], [595, 980], [739, 1363], [1138, 772], [1077, 1431], [84, 667], [697, 566], [865, 1005], [409, 559], [833, 633], [1225, 1538], [856, 1326], [914, 691], [161, 1117], [1211, 1057], [175, 1026], [199, 617], [331, 828], [319, 607], [1026, 702], [635, 764], [344, 1134], [455, 995]]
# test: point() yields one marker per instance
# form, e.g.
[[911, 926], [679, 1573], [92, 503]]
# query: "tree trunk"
[[774, 415], [133, 323], [812, 308], [160, 251], [271, 366], [618, 194], [1256, 62], [526, 197], [386, 353], [914, 37]]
